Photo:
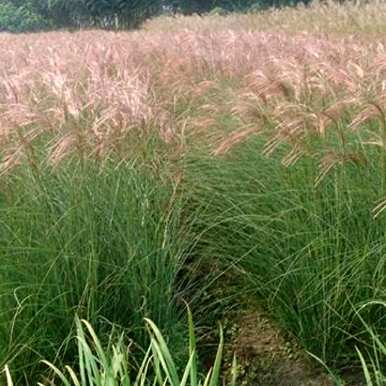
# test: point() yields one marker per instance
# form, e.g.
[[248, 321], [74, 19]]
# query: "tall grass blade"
[[163, 352], [366, 371], [214, 381], [192, 349], [8, 376]]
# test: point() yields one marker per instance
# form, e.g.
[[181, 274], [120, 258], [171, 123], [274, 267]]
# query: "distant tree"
[[19, 18], [123, 13], [55, 13], [204, 6], [61, 13], [23, 15]]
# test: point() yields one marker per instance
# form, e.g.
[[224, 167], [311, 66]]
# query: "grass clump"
[[99, 366], [106, 244], [312, 254]]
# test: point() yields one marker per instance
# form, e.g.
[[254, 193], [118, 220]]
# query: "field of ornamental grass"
[[233, 163]]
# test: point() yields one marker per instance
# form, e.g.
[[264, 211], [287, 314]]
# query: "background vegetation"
[[32, 15]]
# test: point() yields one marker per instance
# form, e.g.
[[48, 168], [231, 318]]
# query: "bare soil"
[[266, 358]]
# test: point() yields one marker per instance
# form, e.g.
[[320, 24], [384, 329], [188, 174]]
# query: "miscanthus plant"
[[312, 253], [107, 243], [113, 366]]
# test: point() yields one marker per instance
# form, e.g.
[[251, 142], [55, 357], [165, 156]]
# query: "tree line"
[[33, 15]]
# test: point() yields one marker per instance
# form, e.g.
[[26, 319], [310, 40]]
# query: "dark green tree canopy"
[[30, 15]]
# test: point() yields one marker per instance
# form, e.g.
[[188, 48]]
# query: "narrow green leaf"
[[366, 371], [187, 371], [57, 372], [234, 371], [192, 349], [164, 352], [217, 363], [99, 350], [8, 376], [73, 376], [207, 378]]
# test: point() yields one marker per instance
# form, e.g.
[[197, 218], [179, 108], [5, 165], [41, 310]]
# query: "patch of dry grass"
[[319, 17]]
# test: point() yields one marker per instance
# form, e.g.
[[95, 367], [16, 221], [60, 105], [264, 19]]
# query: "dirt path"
[[267, 359]]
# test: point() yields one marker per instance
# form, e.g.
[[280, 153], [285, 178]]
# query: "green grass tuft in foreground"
[[99, 366], [107, 245]]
